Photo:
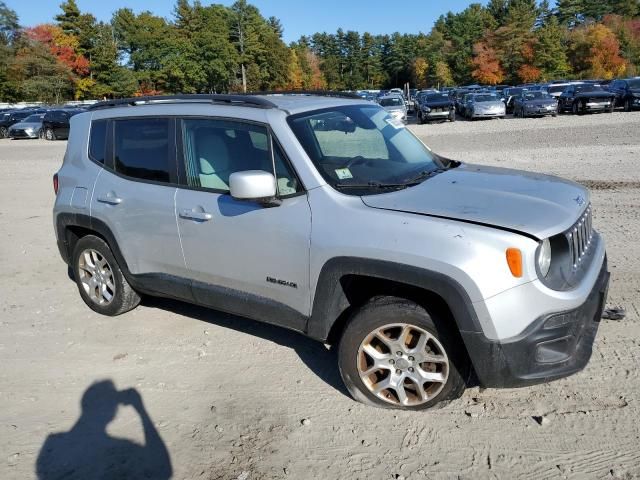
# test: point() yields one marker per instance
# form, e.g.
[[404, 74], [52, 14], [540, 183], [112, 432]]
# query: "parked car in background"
[[394, 104], [627, 93], [11, 117], [509, 95], [29, 127], [484, 105], [55, 124], [585, 98], [436, 106], [458, 98], [534, 104]]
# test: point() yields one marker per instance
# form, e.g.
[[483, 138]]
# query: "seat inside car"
[[213, 159]]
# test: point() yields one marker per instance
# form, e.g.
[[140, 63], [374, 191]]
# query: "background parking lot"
[[232, 398]]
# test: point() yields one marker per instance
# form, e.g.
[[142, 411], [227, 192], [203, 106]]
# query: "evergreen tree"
[[69, 18]]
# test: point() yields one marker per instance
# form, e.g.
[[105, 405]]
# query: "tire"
[[574, 108], [110, 280], [612, 107], [49, 135], [4, 132], [627, 105], [420, 120], [389, 316], [452, 116]]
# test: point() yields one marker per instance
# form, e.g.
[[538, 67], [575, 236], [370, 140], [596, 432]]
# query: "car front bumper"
[[18, 133], [542, 111], [433, 114], [488, 114], [553, 346]]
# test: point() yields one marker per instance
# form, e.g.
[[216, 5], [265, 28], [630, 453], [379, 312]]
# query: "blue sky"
[[299, 17]]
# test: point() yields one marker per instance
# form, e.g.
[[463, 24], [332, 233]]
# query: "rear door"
[[134, 196], [243, 257]]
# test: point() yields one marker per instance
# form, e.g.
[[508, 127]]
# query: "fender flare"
[[330, 300]]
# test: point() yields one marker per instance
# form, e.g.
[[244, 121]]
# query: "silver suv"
[[327, 216]]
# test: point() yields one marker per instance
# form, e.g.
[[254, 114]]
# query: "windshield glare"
[[536, 95], [34, 118], [589, 88], [391, 102], [634, 83], [361, 145], [485, 98]]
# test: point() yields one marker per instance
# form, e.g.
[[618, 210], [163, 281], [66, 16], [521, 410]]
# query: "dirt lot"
[[235, 399]]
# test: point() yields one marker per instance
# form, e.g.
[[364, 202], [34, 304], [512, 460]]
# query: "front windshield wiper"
[[374, 185], [424, 175]]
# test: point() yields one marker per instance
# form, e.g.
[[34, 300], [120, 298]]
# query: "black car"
[[509, 95], [55, 125], [11, 117], [585, 98], [436, 106], [627, 93]]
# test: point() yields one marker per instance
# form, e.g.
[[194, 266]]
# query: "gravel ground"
[[235, 399]]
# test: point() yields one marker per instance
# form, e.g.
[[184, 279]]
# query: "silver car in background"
[[484, 105], [30, 127], [395, 105]]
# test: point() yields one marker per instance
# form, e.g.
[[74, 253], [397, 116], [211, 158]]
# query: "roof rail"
[[238, 100], [320, 93]]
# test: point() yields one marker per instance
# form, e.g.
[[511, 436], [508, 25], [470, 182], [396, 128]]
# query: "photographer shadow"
[[87, 451]]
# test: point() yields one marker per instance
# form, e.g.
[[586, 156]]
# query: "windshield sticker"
[[395, 123], [343, 173]]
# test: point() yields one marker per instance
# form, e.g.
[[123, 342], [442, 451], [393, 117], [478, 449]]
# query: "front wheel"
[[395, 354], [627, 105], [452, 116], [100, 281], [49, 135], [4, 132], [574, 108]]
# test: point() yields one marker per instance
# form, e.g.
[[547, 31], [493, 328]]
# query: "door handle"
[[110, 199], [193, 215]]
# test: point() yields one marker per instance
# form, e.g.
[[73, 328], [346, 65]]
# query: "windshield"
[[392, 102], [634, 83], [363, 147], [537, 96], [485, 98], [556, 88], [514, 91], [34, 118]]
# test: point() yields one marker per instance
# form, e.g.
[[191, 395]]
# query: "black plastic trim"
[[330, 299], [515, 363]]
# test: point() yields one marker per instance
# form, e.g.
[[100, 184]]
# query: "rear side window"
[[98, 141], [141, 149]]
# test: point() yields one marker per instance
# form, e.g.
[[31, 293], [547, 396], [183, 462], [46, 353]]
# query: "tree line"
[[214, 48]]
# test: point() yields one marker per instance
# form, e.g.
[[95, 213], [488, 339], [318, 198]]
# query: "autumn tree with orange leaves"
[[596, 52], [487, 69]]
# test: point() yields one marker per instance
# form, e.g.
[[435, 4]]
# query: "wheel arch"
[[345, 283]]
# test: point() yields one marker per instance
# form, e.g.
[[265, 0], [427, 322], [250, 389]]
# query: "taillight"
[[55, 183]]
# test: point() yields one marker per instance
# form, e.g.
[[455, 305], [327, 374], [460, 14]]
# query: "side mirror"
[[254, 185]]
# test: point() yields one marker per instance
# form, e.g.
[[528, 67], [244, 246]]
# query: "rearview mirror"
[[254, 185]]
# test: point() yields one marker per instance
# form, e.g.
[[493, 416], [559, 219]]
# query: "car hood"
[[498, 103], [534, 204], [438, 103], [541, 101], [596, 94], [394, 107], [26, 125]]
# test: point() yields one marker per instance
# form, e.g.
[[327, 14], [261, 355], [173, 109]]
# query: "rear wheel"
[[100, 281], [394, 354]]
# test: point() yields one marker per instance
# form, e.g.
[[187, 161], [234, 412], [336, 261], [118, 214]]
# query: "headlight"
[[544, 257]]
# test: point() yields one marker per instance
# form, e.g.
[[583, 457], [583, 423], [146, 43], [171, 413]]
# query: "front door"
[[243, 257]]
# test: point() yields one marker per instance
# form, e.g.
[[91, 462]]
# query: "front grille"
[[579, 237]]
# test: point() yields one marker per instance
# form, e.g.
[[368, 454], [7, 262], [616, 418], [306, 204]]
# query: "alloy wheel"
[[96, 277], [403, 364], [4, 133]]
